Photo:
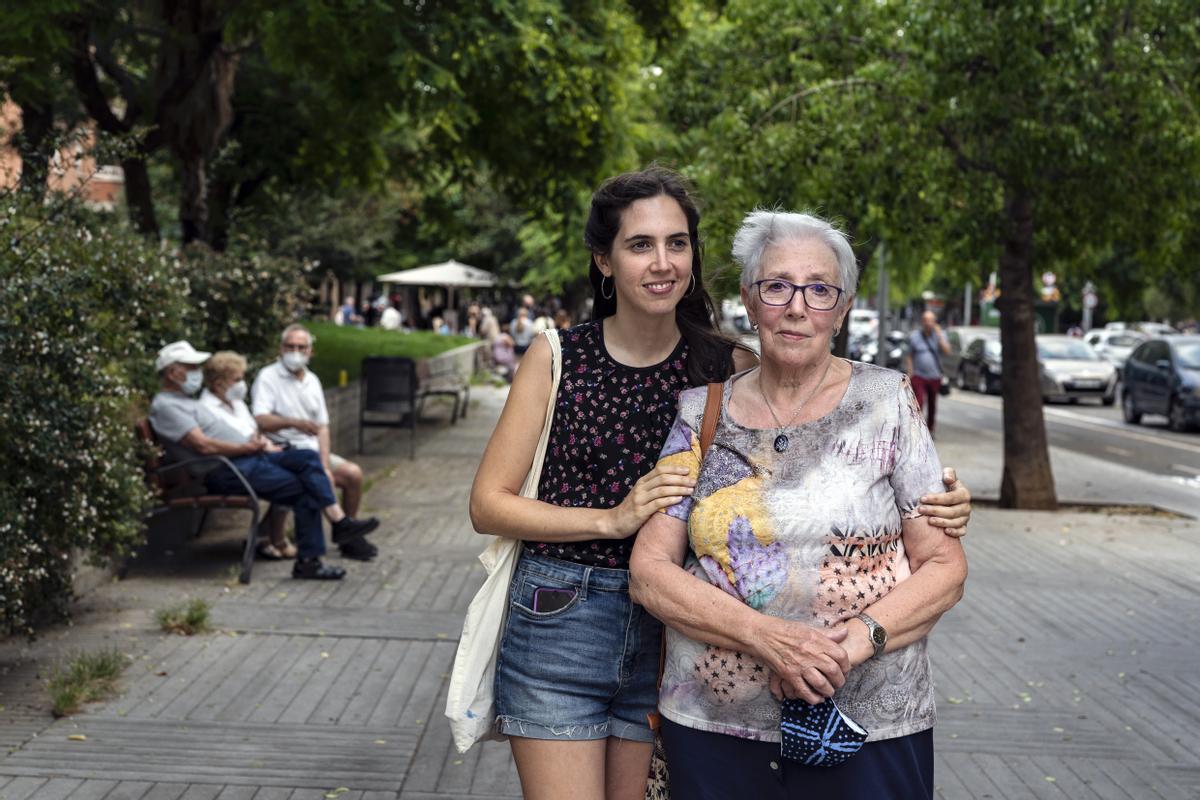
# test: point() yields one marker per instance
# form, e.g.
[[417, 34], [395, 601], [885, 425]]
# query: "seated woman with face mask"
[[225, 394]]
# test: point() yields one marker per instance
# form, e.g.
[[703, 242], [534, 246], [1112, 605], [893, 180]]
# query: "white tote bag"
[[471, 702]]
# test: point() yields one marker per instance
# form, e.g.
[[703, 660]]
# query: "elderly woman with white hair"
[[799, 580]]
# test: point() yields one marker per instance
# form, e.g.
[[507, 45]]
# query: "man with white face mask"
[[289, 406], [189, 429]]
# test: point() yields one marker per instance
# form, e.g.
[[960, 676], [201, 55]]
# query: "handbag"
[[944, 387], [658, 784], [471, 702]]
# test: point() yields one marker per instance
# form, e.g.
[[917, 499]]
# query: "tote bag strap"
[[530, 487]]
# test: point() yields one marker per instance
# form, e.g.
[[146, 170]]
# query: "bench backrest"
[[389, 384], [152, 454]]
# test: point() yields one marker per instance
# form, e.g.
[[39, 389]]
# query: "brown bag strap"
[[708, 431], [712, 415]]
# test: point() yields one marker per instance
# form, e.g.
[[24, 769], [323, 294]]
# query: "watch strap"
[[876, 632]]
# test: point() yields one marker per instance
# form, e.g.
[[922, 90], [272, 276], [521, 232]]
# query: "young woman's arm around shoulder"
[[496, 503]]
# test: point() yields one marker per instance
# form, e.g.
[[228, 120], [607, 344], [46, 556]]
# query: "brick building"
[[70, 169]]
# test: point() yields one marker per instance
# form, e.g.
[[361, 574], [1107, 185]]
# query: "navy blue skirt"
[[713, 766]]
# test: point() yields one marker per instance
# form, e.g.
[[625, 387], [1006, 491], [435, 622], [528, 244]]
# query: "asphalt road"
[[1093, 429]]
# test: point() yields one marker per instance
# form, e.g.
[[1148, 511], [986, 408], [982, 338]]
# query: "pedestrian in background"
[[923, 363]]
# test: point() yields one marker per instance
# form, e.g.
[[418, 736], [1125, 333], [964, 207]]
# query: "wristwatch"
[[876, 632]]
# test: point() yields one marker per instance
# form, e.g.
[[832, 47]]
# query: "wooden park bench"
[[177, 489]]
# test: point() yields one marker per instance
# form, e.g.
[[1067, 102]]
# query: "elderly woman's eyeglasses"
[[817, 296]]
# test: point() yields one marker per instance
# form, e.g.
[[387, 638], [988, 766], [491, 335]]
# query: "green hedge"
[[84, 305], [341, 347]]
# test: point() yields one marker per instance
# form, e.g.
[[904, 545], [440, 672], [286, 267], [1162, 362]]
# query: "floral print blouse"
[[811, 534], [610, 421]]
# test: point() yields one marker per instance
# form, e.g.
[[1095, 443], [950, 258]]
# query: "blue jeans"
[[585, 671], [293, 478]]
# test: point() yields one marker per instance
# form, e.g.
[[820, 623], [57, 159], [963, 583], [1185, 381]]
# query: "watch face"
[[879, 635]]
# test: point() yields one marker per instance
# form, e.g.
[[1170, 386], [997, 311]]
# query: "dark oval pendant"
[[781, 443]]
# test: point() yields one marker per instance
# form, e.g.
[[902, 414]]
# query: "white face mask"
[[236, 393], [193, 381], [294, 361]]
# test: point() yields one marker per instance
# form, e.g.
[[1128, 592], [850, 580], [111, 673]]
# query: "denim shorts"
[[585, 671]]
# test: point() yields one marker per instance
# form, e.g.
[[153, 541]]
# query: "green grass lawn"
[[343, 347]]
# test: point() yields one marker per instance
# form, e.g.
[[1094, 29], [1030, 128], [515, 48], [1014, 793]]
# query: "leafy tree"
[[1036, 135], [1070, 127]]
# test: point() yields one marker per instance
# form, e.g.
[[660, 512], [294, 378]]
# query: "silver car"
[[1072, 369], [1114, 346]]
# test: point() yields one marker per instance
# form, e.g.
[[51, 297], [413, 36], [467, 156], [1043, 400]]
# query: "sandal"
[[287, 549], [269, 552]]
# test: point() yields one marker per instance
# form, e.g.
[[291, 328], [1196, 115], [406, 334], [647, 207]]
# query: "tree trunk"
[[1028, 481], [193, 205], [194, 82], [35, 145], [862, 257], [220, 202], [139, 197]]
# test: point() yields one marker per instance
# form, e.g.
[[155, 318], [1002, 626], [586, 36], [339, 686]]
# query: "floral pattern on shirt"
[[813, 534], [610, 421]]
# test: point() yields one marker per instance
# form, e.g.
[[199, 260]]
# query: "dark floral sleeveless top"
[[610, 422]]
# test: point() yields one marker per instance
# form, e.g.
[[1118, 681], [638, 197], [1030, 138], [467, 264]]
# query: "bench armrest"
[[174, 465]]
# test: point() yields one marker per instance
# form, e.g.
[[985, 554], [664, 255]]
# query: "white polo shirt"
[[278, 391]]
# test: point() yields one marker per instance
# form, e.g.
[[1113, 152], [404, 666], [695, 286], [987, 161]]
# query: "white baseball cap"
[[179, 353]]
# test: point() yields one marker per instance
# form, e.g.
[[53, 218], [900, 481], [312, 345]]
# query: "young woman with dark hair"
[[578, 661]]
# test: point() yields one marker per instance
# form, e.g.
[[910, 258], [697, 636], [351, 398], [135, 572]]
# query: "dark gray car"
[[1162, 376], [960, 338]]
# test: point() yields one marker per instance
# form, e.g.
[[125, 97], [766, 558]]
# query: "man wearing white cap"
[[296, 478]]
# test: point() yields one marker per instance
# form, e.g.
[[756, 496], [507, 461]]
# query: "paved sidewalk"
[[1068, 671]]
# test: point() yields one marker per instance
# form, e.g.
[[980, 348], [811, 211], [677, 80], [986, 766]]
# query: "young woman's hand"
[[662, 487], [950, 510]]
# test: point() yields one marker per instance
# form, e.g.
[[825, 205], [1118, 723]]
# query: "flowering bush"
[[83, 308], [241, 299]]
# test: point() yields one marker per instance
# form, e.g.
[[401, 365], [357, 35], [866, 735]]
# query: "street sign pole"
[[881, 304], [967, 305], [1089, 302]]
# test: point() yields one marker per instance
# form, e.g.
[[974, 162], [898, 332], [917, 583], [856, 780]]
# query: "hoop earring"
[[692, 289], [608, 296], [837, 329]]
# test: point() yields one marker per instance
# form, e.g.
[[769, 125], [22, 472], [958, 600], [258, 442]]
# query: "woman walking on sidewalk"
[[578, 660]]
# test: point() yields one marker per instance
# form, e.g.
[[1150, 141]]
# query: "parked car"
[[979, 366], [864, 323], [1113, 345], [1162, 376], [1155, 329], [960, 338], [1071, 369]]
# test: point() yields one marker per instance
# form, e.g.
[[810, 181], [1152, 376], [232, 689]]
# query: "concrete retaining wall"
[[343, 401]]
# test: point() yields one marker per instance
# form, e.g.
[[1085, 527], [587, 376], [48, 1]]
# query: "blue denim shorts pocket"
[[583, 671], [526, 583]]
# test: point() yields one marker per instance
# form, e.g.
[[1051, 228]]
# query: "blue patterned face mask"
[[820, 735]]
